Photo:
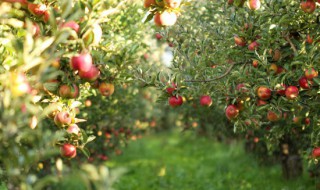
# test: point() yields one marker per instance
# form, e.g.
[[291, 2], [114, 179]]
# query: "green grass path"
[[174, 161]]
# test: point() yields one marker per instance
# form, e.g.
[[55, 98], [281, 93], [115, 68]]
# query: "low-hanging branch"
[[293, 47], [216, 78]]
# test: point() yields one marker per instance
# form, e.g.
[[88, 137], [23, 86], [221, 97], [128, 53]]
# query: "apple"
[[309, 39], [242, 88], [256, 139], [64, 91], [273, 68], [254, 4], [230, 2], [37, 9], [46, 16], [253, 46], [276, 55], [158, 36], [175, 101], [280, 70], [264, 93], [90, 75], [205, 100], [62, 118], [74, 92], [172, 3], [171, 89], [296, 120], [292, 92], [93, 35], [71, 24], [307, 121], [281, 89], [148, 3], [273, 116], [88, 103], [68, 151], [310, 73], [304, 83], [308, 6], [255, 63], [316, 152], [73, 129], [81, 62], [165, 18], [261, 102], [232, 112], [240, 41], [106, 89]]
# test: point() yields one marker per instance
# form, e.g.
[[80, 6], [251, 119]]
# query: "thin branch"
[[216, 78], [292, 45]]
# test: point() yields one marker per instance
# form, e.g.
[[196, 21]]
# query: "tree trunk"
[[292, 166]]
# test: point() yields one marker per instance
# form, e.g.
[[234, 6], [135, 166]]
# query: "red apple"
[[74, 91], [307, 121], [316, 152], [309, 39], [205, 100], [240, 41], [148, 3], [264, 93], [81, 62], [90, 75], [253, 46], [172, 3], [62, 118], [273, 116], [73, 129], [64, 91], [292, 92], [37, 9], [46, 16], [304, 83], [310, 73], [254, 4], [165, 18], [232, 112], [255, 63], [71, 24], [308, 6], [171, 89], [68, 151], [242, 88], [158, 36], [296, 120], [261, 102], [175, 101], [106, 89], [281, 89]]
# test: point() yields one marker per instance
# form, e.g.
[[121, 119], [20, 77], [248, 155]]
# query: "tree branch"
[[216, 78], [293, 47]]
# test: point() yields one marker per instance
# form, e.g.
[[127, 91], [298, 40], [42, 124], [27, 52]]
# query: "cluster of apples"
[[165, 11]]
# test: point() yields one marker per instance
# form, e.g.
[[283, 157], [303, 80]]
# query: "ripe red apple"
[[254, 4], [81, 62], [73, 129], [240, 41], [158, 36], [264, 93], [64, 91], [256, 139], [273, 116], [205, 100], [37, 9], [242, 88], [309, 39], [106, 89], [74, 92], [148, 3], [307, 121], [165, 18], [90, 75], [172, 3], [62, 118], [316, 152], [261, 102], [46, 16], [310, 73], [292, 92], [253, 46], [71, 24], [175, 101], [296, 120], [232, 112], [255, 63], [304, 83], [68, 151], [308, 6], [171, 89], [281, 89]]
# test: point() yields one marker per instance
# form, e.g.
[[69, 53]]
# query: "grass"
[[172, 161]]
